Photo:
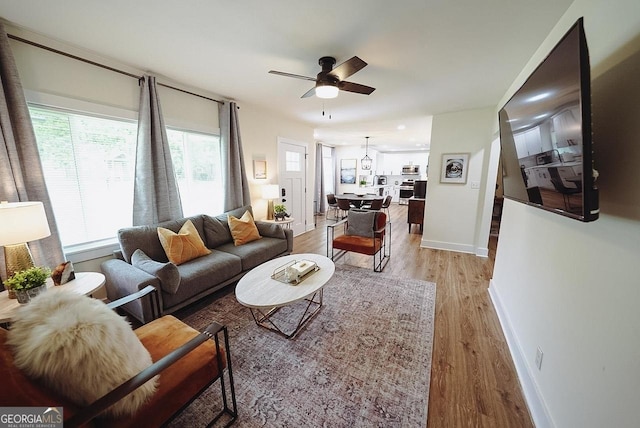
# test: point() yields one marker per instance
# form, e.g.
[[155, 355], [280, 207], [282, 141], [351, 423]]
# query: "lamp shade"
[[22, 222], [270, 191]]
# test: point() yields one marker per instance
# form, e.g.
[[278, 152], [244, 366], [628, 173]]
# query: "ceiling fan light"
[[326, 91]]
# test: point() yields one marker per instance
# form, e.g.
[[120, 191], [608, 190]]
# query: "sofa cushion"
[[80, 348], [182, 246], [243, 229], [146, 238], [167, 272], [203, 273], [271, 230], [216, 232], [256, 252]]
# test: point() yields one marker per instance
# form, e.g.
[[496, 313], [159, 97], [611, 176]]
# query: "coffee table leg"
[[264, 319]]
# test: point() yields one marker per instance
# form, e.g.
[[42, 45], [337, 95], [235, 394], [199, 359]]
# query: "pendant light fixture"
[[366, 160]]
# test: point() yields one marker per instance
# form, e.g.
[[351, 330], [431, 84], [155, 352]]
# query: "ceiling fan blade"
[[311, 92], [355, 87], [348, 68], [296, 76]]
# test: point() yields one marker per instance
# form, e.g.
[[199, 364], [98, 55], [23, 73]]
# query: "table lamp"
[[21, 222], [270, 192]]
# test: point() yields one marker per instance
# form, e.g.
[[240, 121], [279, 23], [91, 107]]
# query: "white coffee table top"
[[257, 290], [85, 283]]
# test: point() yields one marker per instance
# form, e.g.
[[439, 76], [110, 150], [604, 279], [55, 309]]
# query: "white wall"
[[452, 210], [571, 288], [353, 152], [260, 131]]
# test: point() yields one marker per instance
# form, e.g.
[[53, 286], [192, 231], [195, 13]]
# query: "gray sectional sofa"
[[190, 281]]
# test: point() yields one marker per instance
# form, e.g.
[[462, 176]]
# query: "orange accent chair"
[[364, 232], [187, 361]]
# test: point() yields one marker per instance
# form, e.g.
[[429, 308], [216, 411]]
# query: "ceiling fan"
[[331, 80]]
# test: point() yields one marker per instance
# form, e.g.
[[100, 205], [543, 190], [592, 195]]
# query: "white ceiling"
[[425, 56]]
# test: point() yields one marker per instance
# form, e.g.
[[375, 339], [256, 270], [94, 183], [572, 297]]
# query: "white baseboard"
[[482, 252], [448, 246], [535, 403]]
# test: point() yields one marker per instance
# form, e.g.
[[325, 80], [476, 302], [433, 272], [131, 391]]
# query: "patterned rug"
[[363, 361]]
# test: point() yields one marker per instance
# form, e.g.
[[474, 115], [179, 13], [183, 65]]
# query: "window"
[[197, 164], [292, 163], [328, 169], [89, 166]]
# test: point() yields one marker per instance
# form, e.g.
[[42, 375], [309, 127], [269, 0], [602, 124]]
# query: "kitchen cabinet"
[[392, 163], [539, 176], [543, 178], [528, 143]]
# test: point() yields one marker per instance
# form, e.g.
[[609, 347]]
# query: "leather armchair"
[[188, 363], [364, 232]]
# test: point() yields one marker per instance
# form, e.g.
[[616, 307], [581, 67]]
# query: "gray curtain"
[[155, 193], [236, 187], [321, 202], [21, 175]]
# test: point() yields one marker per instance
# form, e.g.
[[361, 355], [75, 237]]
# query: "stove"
[[406, 192]]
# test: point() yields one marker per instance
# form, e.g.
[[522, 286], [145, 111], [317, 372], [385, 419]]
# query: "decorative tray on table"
[[294, 272]]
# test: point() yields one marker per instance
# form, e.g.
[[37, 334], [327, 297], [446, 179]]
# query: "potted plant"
[[28, 283], [280, 212]]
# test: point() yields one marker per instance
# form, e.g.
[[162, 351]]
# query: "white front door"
[[292, 172]]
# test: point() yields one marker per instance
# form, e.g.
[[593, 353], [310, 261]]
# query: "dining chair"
[[566, 192], [386, 204], [344, 206], [332, 206], [375, 205]]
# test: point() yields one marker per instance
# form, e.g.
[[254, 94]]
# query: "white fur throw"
[[79, 348]]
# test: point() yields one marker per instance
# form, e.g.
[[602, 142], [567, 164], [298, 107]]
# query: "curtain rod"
[[106, 67]]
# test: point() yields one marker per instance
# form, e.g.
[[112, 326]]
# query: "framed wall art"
[[348, 171], [454, 168], [259, 169]]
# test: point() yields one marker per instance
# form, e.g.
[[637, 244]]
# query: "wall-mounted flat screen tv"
[[545, 134]]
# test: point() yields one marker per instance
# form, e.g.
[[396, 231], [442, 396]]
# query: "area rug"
[[363, 361]]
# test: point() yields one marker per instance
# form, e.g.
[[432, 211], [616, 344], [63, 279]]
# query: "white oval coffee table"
[[264, 295]]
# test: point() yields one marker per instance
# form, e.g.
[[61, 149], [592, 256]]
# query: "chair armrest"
[[131, 297], [97, 407], [124, 279], [343, 221], [380, 231]]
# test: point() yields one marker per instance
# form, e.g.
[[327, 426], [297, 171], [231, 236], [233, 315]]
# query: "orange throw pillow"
[[243, 229], [182, 246]]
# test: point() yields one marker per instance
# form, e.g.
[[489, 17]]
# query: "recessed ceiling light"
[[401, 127]]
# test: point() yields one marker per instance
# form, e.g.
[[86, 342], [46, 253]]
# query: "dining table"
[[358, 200]]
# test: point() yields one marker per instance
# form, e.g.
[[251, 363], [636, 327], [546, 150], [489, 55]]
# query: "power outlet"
[[539, 355], [475, 184]]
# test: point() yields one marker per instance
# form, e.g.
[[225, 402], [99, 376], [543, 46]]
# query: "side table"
[[85, 283], [285, 223]]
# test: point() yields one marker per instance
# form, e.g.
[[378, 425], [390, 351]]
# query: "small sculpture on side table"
[[280, 212]]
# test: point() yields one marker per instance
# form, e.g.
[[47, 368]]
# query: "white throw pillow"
[[80, 348]]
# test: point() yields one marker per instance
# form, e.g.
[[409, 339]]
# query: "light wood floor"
[[473, 379]]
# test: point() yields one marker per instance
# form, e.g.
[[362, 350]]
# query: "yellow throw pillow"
[[243, 229], [182, 246]]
